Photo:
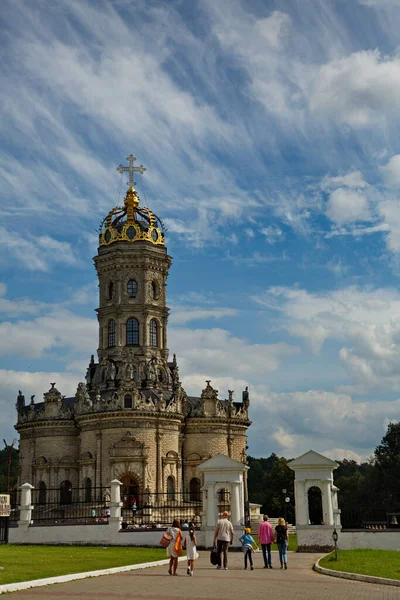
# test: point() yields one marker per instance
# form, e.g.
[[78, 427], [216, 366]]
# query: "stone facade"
[[131, 419]]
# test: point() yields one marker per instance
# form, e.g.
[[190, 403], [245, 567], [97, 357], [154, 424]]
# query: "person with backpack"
[[282, 541]]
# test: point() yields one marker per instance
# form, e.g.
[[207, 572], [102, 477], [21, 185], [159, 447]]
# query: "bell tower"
[[132, 266]]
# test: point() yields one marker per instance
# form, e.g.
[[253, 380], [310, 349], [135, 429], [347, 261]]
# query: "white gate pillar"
[[222, 472], [25, 508], [115, 503], [315, 470]]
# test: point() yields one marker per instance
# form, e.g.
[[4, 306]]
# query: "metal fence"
[[64, 506], [370, 511], [15, 501], [161, 509]]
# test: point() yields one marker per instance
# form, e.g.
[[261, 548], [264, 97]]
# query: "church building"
[[131, 419]]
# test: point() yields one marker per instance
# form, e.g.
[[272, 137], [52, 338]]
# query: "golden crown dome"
[[131, 223]]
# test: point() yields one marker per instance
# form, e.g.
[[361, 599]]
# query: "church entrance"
[[130, 494]]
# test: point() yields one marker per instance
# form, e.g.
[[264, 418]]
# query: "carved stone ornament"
[[53, 395]]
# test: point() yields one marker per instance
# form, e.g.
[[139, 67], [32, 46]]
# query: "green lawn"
[[292, 542], [24, 563], [379, 563]]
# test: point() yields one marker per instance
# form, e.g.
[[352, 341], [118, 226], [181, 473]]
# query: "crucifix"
[[131, 170]]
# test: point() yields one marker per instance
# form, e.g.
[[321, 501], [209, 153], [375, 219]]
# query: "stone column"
[[204, 512], [115, 504], [327, 502], [235, 504], [145, 328], [211, 504], [98, 461], [302, 517], [25, 508]]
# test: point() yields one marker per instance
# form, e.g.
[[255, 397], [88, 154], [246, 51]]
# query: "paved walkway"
[[154, 583]]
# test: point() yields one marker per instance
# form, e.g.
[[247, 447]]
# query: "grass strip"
[[25, 563], [378, 563], [292, 542]]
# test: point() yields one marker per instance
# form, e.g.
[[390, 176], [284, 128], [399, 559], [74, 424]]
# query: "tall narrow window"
[[132, 332], [195, 486], [128, 401], [112, 333], [153, 333], [66, 492], [170, 488], [42, 492], [155, 290], [110, 290], [88, 489], [132, 288]]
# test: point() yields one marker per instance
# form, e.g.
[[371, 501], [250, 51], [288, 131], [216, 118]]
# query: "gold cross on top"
[[131, 170]]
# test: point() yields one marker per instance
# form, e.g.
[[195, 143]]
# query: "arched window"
[[110, 291], [132, 288], [170, 488], [155, 290], [66, 492], [42, 492], [153, 329], [195, 490], [224, 500], [88, 489], [315, 515], [128, 401], [112, 333], [132, 332]]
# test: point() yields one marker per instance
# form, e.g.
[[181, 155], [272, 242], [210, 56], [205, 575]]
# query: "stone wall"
[[93, 535], [377, 540]]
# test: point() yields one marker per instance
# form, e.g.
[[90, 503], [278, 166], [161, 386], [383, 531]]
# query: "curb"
[[355, 576], [25, 585]]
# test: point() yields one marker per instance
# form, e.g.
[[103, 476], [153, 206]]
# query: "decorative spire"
[[131, 170]]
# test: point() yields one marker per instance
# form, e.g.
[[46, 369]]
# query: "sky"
[[270, 134]]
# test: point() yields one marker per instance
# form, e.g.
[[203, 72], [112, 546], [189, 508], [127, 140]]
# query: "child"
[[247, 541], [191, 551]]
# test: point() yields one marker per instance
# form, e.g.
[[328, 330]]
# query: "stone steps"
[[274, 522]]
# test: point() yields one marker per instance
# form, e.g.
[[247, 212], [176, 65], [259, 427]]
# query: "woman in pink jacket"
[[266, 538]]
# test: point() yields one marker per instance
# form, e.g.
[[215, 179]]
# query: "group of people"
[[223, 538], [179, 543]]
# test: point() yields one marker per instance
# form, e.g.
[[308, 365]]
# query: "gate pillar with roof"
[[317, 512], [224, 489]]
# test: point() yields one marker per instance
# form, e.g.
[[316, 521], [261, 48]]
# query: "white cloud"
[[390, 211], [36, 253], [274, 27], [347, 206], [391, 171], [317, 419], [360, 89], [58, 329], [358, 231], [184, 314], [273, 234], [353, 179], [217, 353], [365, 322]]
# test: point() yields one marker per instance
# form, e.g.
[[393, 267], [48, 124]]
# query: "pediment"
[[312, 459], [220, 462]]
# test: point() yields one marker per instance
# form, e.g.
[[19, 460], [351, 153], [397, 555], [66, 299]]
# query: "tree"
[[387, 459], [4, 468]]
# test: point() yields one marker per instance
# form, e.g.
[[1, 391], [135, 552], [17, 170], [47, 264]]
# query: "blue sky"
[[270, 135]]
